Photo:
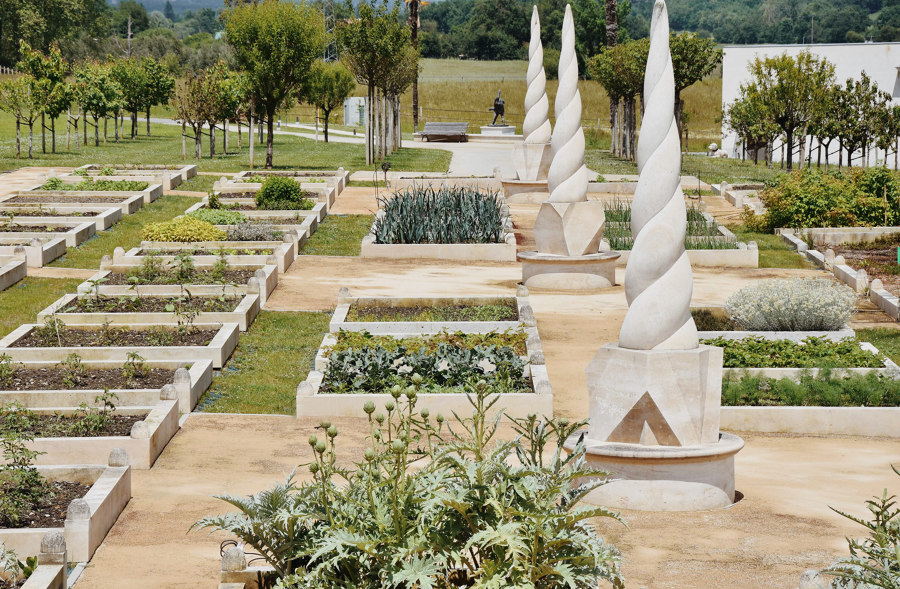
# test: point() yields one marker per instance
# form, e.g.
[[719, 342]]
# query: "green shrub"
[[282, 194], [475, 512], [812, 352], [22, 487], [182, 229], [823, 390], [219, 216], [446, 215], [810, 198], [53, 184]]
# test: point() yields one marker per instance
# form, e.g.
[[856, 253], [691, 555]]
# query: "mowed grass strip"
[[126, 233], [773, 251], [271, 359], [20, 303], [886, 339], [339, 235]]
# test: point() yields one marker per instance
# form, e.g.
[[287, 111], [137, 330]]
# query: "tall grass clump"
[[445, 215], [792, 304]]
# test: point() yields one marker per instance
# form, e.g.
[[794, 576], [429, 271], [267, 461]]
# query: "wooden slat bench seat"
[[445, 131]]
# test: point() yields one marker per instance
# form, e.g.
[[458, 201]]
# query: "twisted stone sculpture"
[[568, 178], [658, 279], [536, 127], [568, 224]]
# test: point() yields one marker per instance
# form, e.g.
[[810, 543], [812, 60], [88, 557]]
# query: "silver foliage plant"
[[434, 505], [792, 304]]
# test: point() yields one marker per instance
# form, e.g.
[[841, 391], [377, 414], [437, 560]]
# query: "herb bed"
[[812, 352], [170, 277], [502, 311]]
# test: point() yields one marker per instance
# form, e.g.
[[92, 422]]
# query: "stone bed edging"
[[217, 351], [76, 233], [12, 272], [37, 252], [338, 179], [192, 378], [285, 252], [89, 519], [175, 175], [102, 217], [816, 421], [129, 202], [312, 404], [856, 279], [263, 283], [244, 314]]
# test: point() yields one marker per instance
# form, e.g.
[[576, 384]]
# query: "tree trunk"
[[212, 139], [116, 127], [198, 142], [105, 129], [97, 131], [183, 141], [270, 139], [414, 38], [240, 139], [148, 121], [840, 154], [370, 118], [679, 113], [250, 136], [225, 138], [53, 135], [18, 138], [612, 23], [613, 119], [802, 149], [69, 128], [327, 114], [30, 139], [43, 134]]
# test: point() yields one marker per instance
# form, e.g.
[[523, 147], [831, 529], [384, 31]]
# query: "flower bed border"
[[103, 217], [285, 252], [815, 421], [218, 350], [244, 314], [192, 379], [130, 202], [87, 526], [38, 253], [77, 233], [12, 272]]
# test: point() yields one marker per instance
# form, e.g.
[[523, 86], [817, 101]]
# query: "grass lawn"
[[22, 302], [773, 252], [164, 147], [339, 235], [272, 358], [199, 184], [887, 340], [126, 233]]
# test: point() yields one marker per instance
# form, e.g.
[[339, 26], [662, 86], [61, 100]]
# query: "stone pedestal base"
[[568, 273], [498, 130], [532, 161], [664, 478]]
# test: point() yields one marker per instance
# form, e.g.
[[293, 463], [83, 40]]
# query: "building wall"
[[879, 60]]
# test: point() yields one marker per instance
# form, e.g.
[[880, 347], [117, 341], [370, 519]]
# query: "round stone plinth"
[[568, 273], [663, 478]]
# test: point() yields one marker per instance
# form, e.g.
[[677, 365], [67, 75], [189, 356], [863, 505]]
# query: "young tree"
[[693, 58], [98, 94], [191, 107], [748, 116], [52, 94], [132, 80], [329, 84], [792, 88], [413, 6], [275, 43], [160, 85], [620, 70], [16, 99]]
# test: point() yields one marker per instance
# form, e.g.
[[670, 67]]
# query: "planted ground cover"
[[701, 233], [48, 212], [812, 352], [822, 390], [338, 235], [256, 378], [444, 363], [53, 334], [170, 276], [126, 233], [502, 311], [96, 185], [136, 304], [191, 228], [444, 215], [713, 320]]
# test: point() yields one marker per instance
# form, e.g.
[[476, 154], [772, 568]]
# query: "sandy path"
[[26, 178]]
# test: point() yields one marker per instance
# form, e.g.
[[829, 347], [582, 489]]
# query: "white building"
[[881, 61]]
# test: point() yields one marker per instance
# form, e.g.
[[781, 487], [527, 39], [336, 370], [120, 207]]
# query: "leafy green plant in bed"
[[282, 194], [473, 512], [812, 352], [89, 184], [874, 561], [823, 390], [363, 339], [22, 487], [444, 215], [183, 229], [219, 216], [494, 312]]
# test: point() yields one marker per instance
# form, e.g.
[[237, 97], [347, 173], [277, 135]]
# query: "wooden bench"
[[445, 131]]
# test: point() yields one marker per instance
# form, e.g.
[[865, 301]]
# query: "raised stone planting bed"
[[313, 403], [88, 519], [815, 421], [249, 210], [113, 282], [244, 310], [37, 252], [149, 194], [339, 321], [156, 425], [73, 233], [102, 217], [338, 179], [12, 272], [127, 201], [244, 195], [190, 379], [219, 344], [206, 253], [169, 177], [490, 252]]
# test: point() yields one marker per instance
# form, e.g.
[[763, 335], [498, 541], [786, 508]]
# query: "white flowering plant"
[[792, 304]]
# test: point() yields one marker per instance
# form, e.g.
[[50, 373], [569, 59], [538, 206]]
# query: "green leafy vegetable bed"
[[812, 352]]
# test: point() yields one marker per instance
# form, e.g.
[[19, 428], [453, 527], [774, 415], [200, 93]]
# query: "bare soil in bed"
[[878, 259], [60, 199], [16, 228], [500, 311], [45, 213], [52, 426], [201, 277], [51, 379], [151, 305], [52, 513], [112, 337]]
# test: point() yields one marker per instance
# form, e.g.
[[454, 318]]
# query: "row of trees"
[[620, 70], [45, 91], [791, 98]]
